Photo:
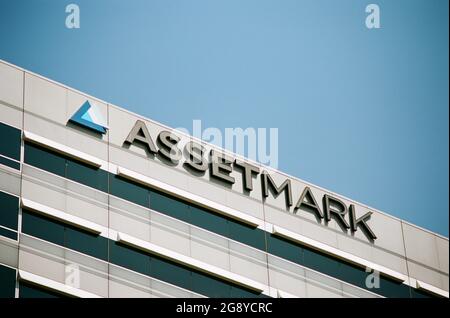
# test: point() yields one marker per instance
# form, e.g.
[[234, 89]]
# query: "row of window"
[[151, 265], [150, 198], [102, 180], [10, 146]]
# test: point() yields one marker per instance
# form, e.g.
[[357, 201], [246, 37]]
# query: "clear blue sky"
[[362, 112]]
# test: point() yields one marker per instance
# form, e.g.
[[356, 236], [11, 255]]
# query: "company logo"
[[89, 116]]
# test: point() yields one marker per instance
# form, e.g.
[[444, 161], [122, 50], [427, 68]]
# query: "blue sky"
[[364, 113]]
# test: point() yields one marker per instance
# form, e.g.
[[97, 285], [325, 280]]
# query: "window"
[[64, 235], [63, 166], [170, 272], [9, 210], [169, 206], [129, 258], [27, 290], [9, 163], [128, 190], [8, 282], [11, 139], [8, 233], [85, 242], [87, 175], [44, 159], [42, 227]]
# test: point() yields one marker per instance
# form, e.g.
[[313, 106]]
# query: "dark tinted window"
[[320, 262], [9, 163], [284, 249], [42, 227], [129, 258], [87, 175], [11, 138], [248, 235], [209, 221], [416, 293], [63, 166], [170, 272], [7, 282], [44, 159], [170, 206], [87, 243], [392, 289], [207, 285], [32, 291], [64, 235], [128, 190], [9, 208], [8, 233]]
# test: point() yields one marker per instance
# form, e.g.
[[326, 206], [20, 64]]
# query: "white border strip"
[[430, 288], [189, 261], [61, 216], [51, 284], [337, 253], [219, 208], [71, 152]]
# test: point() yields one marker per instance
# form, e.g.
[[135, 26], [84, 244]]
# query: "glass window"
[[320, 262], [248, 235], [209, 221], [87, 175], [210, 286], [129, 258], [353, 274], [9, 208], [392, 289], [9, 163], [8, 233], [128, 190], [42, 227], [416, 293], [8, 282], [44, 159], [284, 249], [11, 138], [170, 206], [87, 243], [32, 291], [240, 292], [170, 272]]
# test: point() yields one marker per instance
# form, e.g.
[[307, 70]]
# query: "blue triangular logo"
[[90, 117]]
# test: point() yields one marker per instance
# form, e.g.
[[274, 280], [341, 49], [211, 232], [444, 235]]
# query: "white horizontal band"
[[219, 208], [71, 152], [61, 216], [337, 253], [190, 262], [54, 285], [431, 288]]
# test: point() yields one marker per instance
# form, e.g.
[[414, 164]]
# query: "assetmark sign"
[[220, 166]]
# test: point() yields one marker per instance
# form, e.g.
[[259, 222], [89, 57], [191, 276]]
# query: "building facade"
[[91, 206]]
